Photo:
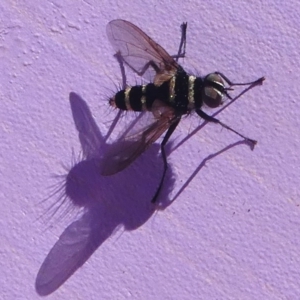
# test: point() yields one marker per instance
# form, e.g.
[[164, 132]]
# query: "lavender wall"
[[232, 233]]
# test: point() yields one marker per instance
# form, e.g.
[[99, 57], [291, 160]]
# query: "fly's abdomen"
[[136, 98]]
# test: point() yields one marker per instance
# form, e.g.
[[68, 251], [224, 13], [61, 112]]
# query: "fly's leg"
[[251, 84], [165, 140], [208, 118], [259, 81], [182, 45], [180, 54]]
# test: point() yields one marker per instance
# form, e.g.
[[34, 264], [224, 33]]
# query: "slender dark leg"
[[230, 83], [182, 45], [180, 54], [162, 146], [208, 118]]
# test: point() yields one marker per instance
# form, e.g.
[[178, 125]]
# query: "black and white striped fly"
[[172, 93]]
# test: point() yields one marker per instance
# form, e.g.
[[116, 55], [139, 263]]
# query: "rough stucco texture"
[[233, 232]]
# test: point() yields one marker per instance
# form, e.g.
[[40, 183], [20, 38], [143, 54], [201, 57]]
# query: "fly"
[[172, 94]]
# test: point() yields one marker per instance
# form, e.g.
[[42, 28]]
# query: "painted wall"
[[233, 232]]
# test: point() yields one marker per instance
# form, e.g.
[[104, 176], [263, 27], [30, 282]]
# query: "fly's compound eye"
[[213, 89]]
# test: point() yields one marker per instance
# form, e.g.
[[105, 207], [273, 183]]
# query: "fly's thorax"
[[191, 93], [212, 90], [175, 91], [172, 92]]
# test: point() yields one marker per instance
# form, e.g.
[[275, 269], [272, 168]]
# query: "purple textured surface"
[[234, 231]]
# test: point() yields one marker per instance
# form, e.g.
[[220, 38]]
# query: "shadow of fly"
[[172, 93]]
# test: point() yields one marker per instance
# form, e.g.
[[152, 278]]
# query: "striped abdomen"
[[137, 98], [182, 92]]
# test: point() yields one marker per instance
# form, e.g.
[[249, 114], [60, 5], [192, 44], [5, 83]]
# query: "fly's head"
[[213, 90]]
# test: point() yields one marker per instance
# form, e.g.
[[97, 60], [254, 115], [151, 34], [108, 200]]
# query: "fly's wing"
[[132, 146], [140, 52]]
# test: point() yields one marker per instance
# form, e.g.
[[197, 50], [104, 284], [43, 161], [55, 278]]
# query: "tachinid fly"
[[172, 94]]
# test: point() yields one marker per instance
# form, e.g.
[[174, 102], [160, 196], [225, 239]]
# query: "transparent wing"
[[130, 147], [139, 51]]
